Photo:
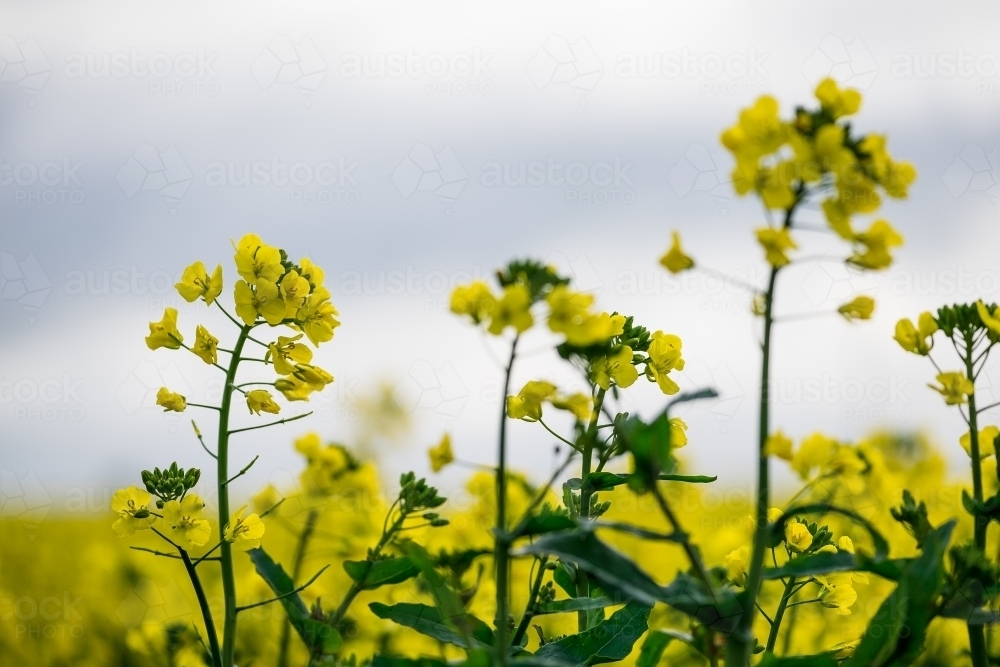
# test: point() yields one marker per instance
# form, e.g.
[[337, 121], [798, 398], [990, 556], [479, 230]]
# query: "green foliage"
[[170, 483]]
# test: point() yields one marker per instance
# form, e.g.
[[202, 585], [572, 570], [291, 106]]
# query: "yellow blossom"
[[266, 499], [916, 339], [987, 435], [797, 535], [293, 389], [579, 404], [839, 592], [840, 102], [132, 507], [256, 261], [774, 513], [311, 272], [169, 401], [775, 242], [736, 565], [441, 454], [780, 445], [294, 291], [675, 260], [244, 533], [955, 387], [678, 432], [846, 544], [877, 241], [205, 345], [260, 400], [187, 527], [164, 333], [859, 308], [195, 283], [314, 376], [286, 352], [759, 131], [527, 405], [990, 318], [616, 367], [475, 300], [512, 310], [262, 300], [815, 452], [317, 317], [664, 356]]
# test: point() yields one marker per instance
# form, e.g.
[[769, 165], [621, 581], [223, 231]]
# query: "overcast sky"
[[384, 141]]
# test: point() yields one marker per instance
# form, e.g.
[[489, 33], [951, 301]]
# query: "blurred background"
[[409, 147]]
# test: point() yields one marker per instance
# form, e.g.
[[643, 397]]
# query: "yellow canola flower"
[[187, 527], [441, 454], [775, 243], [293, 389], [314, 376], [955, 387], [196, 283], [774, 513], [260, 400], [311, 272], [132, 507], [877, 242], [778, 444], [758, 132], [859, 308], [527, 405], [294, 290], [839, 102], [894, 177], [244, 533], [579, 404], [206, 345], [775, 185], [512, 310], [169, 401], [262, 300], [678, 432], [987, 435], [317, 317], [916, 339], [286, 352], [990, 318], [164, 333], [839, 592], [845, 544], [675, 261], [616, 367], [797, 535], [664, 356], [736, 565], [475, 300], [815, 453], [256, 261]]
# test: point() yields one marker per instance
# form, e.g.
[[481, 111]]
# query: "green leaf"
[[371, 575], [428, 621], [545, 522], [609, 641], [319, 637], [777, 529], [391, 661], [447, 600], [896, 633], [825, 563], [656, 642], [720, 611], [618, 576], [573, 604], [821, 660]]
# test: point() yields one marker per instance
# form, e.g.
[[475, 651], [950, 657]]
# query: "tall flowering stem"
[[502, 543]]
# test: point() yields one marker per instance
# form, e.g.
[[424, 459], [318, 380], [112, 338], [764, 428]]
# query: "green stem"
[[694, 557], [779, 614], [529, 610], [977, 637], [206, 612], [586, 493], [300, 556], [225, 551], [502, 542], [742, 642]]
